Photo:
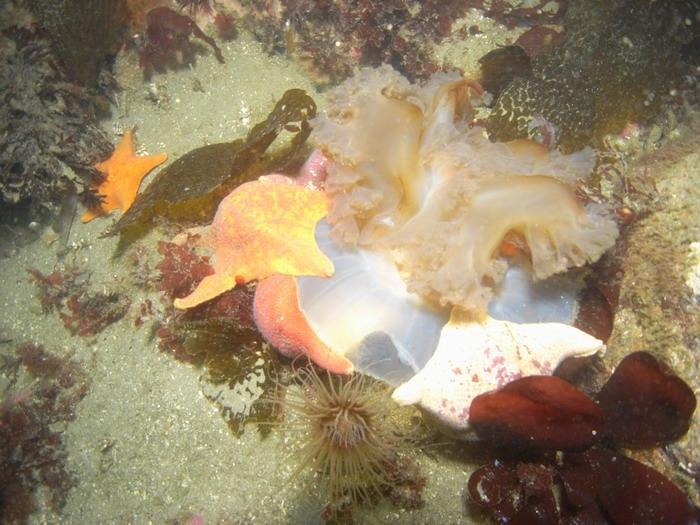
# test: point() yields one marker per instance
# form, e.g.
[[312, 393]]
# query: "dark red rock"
[[645, 403], [542, 412]]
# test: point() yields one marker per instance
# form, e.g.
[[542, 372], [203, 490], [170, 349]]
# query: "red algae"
[[543, 412], [32, 454], [218, 337], [167, 41], [225, 26], [643, 404], [181, 268], [84, 312]]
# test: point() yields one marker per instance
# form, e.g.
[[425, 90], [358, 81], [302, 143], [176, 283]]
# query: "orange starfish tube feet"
[[124, 171], [283, 324]]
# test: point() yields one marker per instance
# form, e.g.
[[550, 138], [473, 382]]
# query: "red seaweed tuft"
[[88, 314], [225, 26], [167, 41], [32, 453], [83, 312], [181, 268]]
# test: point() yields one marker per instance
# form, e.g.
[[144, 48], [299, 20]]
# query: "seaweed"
[[167, 41], [239, 371], [616, 63], [85, 37], [33, 470], [84, 312], [46, 126], [225, 26], [402, 33], [362, 33], [190, 188], [180, 268]]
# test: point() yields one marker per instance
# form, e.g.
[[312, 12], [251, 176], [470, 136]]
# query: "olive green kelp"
[[190, 188]]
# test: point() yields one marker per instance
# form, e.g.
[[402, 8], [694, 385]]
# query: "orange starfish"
[[262, 228], [283, 324], [124, 172]]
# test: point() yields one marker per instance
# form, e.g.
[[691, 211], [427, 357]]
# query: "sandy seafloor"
[[172, 455]]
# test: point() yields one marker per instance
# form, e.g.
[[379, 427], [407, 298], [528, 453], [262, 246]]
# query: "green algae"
[[190, 188]]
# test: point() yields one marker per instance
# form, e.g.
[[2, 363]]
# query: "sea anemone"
[[348, 436]]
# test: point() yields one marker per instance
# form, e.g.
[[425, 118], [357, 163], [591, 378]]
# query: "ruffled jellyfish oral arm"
[[260, 229], [448, 251], [476, 356]]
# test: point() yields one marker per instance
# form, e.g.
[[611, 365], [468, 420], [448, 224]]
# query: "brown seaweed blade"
[[239, 371], [190, 188]]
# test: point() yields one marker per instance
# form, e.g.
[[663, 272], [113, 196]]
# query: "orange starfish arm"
[[260, 229], [124, 171], [283, 324]]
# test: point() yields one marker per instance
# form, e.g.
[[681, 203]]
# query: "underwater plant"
[[167, 41], [49, 137], [568, 466], [33, 458], [402, 33], [84, 311], [348, 435], [225, 26]]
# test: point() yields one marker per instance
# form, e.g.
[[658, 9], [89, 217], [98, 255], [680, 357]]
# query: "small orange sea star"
[[124, 172]]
